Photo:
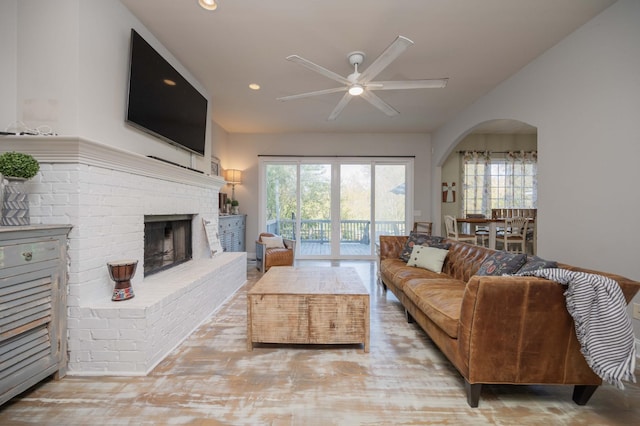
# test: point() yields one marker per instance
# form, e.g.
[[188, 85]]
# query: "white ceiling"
[[475, 43]]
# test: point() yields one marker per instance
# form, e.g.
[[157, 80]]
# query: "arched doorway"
[[499, 138]]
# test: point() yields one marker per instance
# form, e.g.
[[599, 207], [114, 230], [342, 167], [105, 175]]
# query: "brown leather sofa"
[[493, 329]]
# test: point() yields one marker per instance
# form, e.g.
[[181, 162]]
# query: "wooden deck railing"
[[319, 231]]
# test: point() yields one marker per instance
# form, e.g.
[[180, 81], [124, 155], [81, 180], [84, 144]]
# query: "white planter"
[[15, 203]]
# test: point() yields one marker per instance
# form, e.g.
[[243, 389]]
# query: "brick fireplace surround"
[[104, 193]]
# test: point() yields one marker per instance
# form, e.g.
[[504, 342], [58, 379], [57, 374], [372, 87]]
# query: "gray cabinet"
[[33, 298], [232, 232]]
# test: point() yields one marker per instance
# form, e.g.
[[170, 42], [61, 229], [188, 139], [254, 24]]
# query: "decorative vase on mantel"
[[15, 203], [17, 168]]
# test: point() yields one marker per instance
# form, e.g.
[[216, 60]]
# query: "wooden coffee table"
[[310, 305]]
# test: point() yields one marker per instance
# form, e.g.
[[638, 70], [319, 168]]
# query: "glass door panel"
[[355, 210], [315, 210], [390, 196], [281, 199]]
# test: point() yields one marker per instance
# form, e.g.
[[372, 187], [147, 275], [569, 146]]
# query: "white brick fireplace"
[[105, 192]]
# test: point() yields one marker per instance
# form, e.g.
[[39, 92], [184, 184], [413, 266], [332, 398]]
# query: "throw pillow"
[[443, 246], [417, 239], [501, 263], [273, 242], [535, 263], [426, 257]]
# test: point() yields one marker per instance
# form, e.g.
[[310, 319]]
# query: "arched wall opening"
[[498, 135]]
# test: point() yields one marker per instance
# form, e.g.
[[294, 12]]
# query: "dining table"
[[493, 223]]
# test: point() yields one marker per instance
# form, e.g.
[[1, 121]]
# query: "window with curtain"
[[498, 180]]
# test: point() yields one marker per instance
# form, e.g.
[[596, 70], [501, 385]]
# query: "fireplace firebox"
[[167, 242]]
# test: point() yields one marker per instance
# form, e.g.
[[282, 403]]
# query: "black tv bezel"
[[193, 94]]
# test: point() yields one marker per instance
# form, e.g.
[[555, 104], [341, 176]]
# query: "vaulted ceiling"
[[476, 44]]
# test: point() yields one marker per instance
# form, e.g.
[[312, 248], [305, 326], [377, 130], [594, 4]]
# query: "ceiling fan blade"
[[316, 93], [408, 84], [317, 68], [399, 45], [379, 103], [338, 109]]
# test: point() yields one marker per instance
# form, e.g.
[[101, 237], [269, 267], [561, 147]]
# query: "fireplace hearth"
[[167, 242]]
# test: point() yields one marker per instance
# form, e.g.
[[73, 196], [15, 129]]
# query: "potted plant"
[[227, 207], [18, 165], [234, 207], [17, 168]]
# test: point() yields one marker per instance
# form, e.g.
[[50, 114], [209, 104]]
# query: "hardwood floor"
[[211, 379]]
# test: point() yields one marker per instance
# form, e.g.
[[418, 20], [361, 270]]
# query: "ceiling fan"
[[362, 84]]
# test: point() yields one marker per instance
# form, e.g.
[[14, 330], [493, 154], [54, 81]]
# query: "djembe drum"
[[121, 272]]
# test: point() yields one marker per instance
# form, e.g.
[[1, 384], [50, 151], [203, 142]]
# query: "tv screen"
[[161, 101]]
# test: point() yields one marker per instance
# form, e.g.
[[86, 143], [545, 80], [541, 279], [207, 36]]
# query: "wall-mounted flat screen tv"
[[162, 102]]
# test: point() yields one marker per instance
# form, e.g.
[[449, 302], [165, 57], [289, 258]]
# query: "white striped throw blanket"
[[603, 327]]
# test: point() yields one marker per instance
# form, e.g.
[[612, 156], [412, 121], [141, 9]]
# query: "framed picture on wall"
[[215, 166]]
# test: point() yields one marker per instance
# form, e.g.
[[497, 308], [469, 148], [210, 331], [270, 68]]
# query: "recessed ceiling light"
[[208, 4], [254, 86]]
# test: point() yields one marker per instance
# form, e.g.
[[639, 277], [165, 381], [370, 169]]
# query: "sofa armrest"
[[391, 246], [518, 330]]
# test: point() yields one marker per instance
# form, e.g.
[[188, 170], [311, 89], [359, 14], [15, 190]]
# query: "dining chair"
[[451, 225], [514, 233], [422, 227], [481, 232]]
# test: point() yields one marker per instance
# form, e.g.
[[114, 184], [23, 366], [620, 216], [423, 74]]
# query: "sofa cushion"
[[417, 239], [535, 263], [396, 272], [426, 257], [502, 262], [440, 299]]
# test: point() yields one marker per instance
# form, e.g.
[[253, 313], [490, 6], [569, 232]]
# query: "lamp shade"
[[233, 176]]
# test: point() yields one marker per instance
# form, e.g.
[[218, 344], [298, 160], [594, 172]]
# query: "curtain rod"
[[494, 152], [338, 156]]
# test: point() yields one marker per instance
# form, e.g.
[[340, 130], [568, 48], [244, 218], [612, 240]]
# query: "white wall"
[[8, 70], [71, 72], [583, 95], [245, 148]]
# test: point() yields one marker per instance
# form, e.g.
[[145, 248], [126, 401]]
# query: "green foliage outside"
[[16, 164], [315, 191]]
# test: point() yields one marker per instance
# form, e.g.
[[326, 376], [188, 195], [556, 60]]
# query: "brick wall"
[[105, 194]]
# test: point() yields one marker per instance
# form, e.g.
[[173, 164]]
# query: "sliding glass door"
[[335, 208], [315, 236], [355, 209]]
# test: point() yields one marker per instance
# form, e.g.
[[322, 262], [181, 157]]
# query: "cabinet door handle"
[[28, 255]]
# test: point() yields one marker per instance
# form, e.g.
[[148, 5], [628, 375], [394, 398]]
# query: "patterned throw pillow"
[[417, 239], [535, 263], [501, 263], [426, 257]]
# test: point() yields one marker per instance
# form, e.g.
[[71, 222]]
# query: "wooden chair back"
[[423, 227], [513, 212]]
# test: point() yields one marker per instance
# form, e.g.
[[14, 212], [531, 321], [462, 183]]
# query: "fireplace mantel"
[[70, 149]]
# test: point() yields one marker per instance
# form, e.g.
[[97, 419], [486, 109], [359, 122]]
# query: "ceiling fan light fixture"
[[356, 90], [208, 4]]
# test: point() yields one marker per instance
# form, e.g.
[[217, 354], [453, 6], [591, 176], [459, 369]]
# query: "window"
[[335, 207], [498, 180]]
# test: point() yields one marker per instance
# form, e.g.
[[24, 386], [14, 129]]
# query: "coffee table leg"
[[366, 324], [249, 336]]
